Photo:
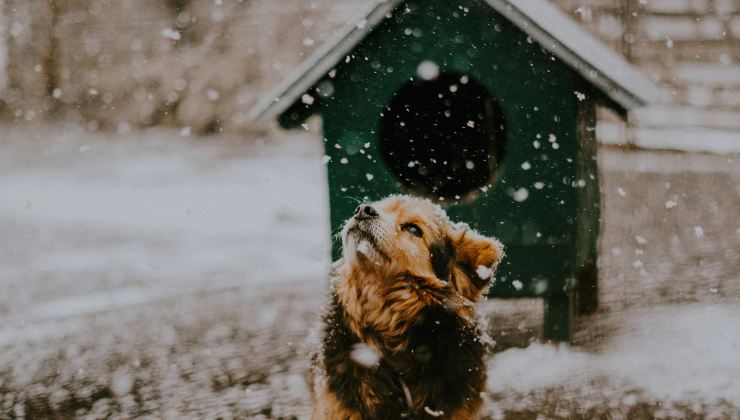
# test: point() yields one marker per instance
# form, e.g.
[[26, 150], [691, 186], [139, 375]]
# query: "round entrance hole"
[[444, 137]]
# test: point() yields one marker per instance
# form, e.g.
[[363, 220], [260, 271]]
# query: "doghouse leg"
[[559, 316], [587, 287]]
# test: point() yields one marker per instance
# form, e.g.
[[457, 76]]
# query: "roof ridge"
[[545, 23]]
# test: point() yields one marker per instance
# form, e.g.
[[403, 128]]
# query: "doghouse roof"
[[545, 23]]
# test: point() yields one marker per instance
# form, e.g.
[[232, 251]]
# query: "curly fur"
[[406, 296]]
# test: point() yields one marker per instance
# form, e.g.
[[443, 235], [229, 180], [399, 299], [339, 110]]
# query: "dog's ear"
[[476, 258]]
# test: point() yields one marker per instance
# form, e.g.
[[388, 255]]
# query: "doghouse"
[[484, 106]]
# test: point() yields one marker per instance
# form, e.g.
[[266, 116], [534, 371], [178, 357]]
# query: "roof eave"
[[598, 64]]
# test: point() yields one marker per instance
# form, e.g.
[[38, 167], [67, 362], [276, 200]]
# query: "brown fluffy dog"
[[400, 337]]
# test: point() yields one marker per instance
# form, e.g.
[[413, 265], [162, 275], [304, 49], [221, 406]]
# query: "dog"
[[400, 337]]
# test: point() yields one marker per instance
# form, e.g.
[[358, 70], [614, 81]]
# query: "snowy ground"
[[156, 275]]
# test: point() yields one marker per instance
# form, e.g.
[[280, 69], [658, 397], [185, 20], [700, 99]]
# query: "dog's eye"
[[413, 229]]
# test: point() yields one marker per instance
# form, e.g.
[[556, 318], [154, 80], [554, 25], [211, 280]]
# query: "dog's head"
[[403, 236]]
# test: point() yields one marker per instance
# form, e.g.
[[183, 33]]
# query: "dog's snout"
[[365, 211]]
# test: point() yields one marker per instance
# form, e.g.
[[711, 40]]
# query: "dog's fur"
[[400, 337]]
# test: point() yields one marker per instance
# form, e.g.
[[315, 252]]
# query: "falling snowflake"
[[484, 272], [364, 355], [122, 382], [540, 287], [520, 195], [526, 165], [670, 204], [170, 33], [698, 231], [363, 248], [307, 99], [213, 95]]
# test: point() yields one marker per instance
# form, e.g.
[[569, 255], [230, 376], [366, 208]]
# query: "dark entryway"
[[444, 137]]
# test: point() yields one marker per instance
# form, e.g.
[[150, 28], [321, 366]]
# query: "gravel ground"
[[160, 276]]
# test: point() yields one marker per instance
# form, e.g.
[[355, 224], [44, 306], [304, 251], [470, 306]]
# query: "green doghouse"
[[485, 106]]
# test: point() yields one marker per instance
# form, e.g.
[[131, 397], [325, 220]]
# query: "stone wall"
[[201, 64]]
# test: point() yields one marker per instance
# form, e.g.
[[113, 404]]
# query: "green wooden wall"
[[538, 96]]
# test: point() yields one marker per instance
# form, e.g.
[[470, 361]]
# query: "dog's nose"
[[365, 211]]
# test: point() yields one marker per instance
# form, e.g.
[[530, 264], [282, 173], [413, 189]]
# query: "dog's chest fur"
[[440, 358]]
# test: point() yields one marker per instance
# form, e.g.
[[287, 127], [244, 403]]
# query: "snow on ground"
[[152, 217], [670, 353], [154, 275]]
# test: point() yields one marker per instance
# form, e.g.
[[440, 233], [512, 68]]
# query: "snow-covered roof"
[[544, 22]]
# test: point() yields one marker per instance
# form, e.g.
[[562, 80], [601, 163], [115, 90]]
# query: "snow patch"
[[672, 353]]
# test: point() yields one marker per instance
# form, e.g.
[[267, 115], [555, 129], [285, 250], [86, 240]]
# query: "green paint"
[[548, 235]]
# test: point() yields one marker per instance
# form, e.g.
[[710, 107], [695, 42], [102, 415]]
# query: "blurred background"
[[164, 256]]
